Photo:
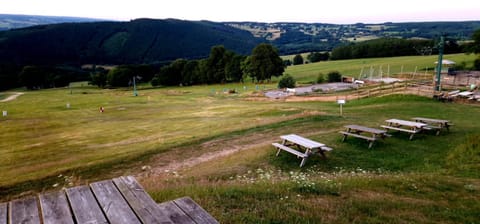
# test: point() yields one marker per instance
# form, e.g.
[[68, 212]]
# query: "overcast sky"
[[326, 11]]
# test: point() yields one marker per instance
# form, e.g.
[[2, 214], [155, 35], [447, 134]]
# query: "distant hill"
[[137, 41], [71, 41], [8, 21], [307, 37]]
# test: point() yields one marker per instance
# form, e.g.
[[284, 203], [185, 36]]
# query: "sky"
[[310, 11]]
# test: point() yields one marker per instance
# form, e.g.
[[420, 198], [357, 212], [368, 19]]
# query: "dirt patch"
[[13, 96], [175, 160]]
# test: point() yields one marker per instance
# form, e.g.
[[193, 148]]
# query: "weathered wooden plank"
[[55, 208], [24, 211], [112, 202], [288, 149], [192, 209], [144, 206], [176, 214], [84, 206], [3, 213]]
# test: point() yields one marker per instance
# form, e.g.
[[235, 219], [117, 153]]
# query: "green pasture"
[[389, 66], [45, 145]]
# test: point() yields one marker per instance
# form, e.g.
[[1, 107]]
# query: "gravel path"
[[327, 87]]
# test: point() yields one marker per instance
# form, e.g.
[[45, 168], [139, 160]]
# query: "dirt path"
[[167, 163], [11, 97]]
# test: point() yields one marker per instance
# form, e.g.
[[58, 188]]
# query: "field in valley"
[[216, 148]]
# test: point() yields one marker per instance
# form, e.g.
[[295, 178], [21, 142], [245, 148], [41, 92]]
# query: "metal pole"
[[439, 63], [134, 87]]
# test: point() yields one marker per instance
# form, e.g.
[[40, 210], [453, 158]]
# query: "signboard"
[[341, 101]]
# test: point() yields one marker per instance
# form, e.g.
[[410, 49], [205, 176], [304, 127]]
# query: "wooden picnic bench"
[[436, 124], [404, 126], [121, 200], [309, 147], [357, 131]]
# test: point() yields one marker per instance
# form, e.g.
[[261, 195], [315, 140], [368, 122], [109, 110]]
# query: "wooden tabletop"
[[305, 142], [121, 200], [405, 123], [365, 129], [431, 120]]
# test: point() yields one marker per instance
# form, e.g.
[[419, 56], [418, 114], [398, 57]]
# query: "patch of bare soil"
[[176, 159], [12, 97]]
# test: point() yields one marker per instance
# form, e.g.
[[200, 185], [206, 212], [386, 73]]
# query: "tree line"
[[221, 66], [390, 47]]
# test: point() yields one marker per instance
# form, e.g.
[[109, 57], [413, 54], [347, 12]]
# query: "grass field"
[[433, 179], [389, 66]]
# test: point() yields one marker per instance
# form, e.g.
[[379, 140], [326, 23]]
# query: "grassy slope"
[[398, 181], [425, 180]]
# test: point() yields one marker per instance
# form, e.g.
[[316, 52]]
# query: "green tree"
[[317, 56], [287, 81], [171, 75], [216, 63], [99, 77], [233, 68], [334, 76], [298, 60], [475, 47], [120, 76], [191, 73], [264, 63]]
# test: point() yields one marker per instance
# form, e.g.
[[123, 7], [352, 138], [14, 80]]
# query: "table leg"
[[323, 154], [371, 144], [411, 136], [344, 137]]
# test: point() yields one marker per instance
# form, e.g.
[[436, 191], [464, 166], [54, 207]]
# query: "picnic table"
[[436, 124], [121, 200], [404, 126], [305, 147], [367, 133]]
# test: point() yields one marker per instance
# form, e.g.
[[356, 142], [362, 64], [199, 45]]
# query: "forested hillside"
[[138, 41], [291, 38]]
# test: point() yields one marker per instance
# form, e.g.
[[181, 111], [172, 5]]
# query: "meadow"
[[163, 136]]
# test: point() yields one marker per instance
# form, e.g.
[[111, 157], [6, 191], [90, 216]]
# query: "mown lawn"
[[388, 66]]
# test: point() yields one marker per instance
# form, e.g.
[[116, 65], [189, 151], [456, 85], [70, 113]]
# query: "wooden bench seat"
[[290, 150], [325, 148], [401, 129], [358, 136]]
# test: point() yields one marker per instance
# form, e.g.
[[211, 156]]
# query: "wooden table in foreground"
[[121, 200], [357, 131], [404, 126], [436, 124], [302, 144]]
